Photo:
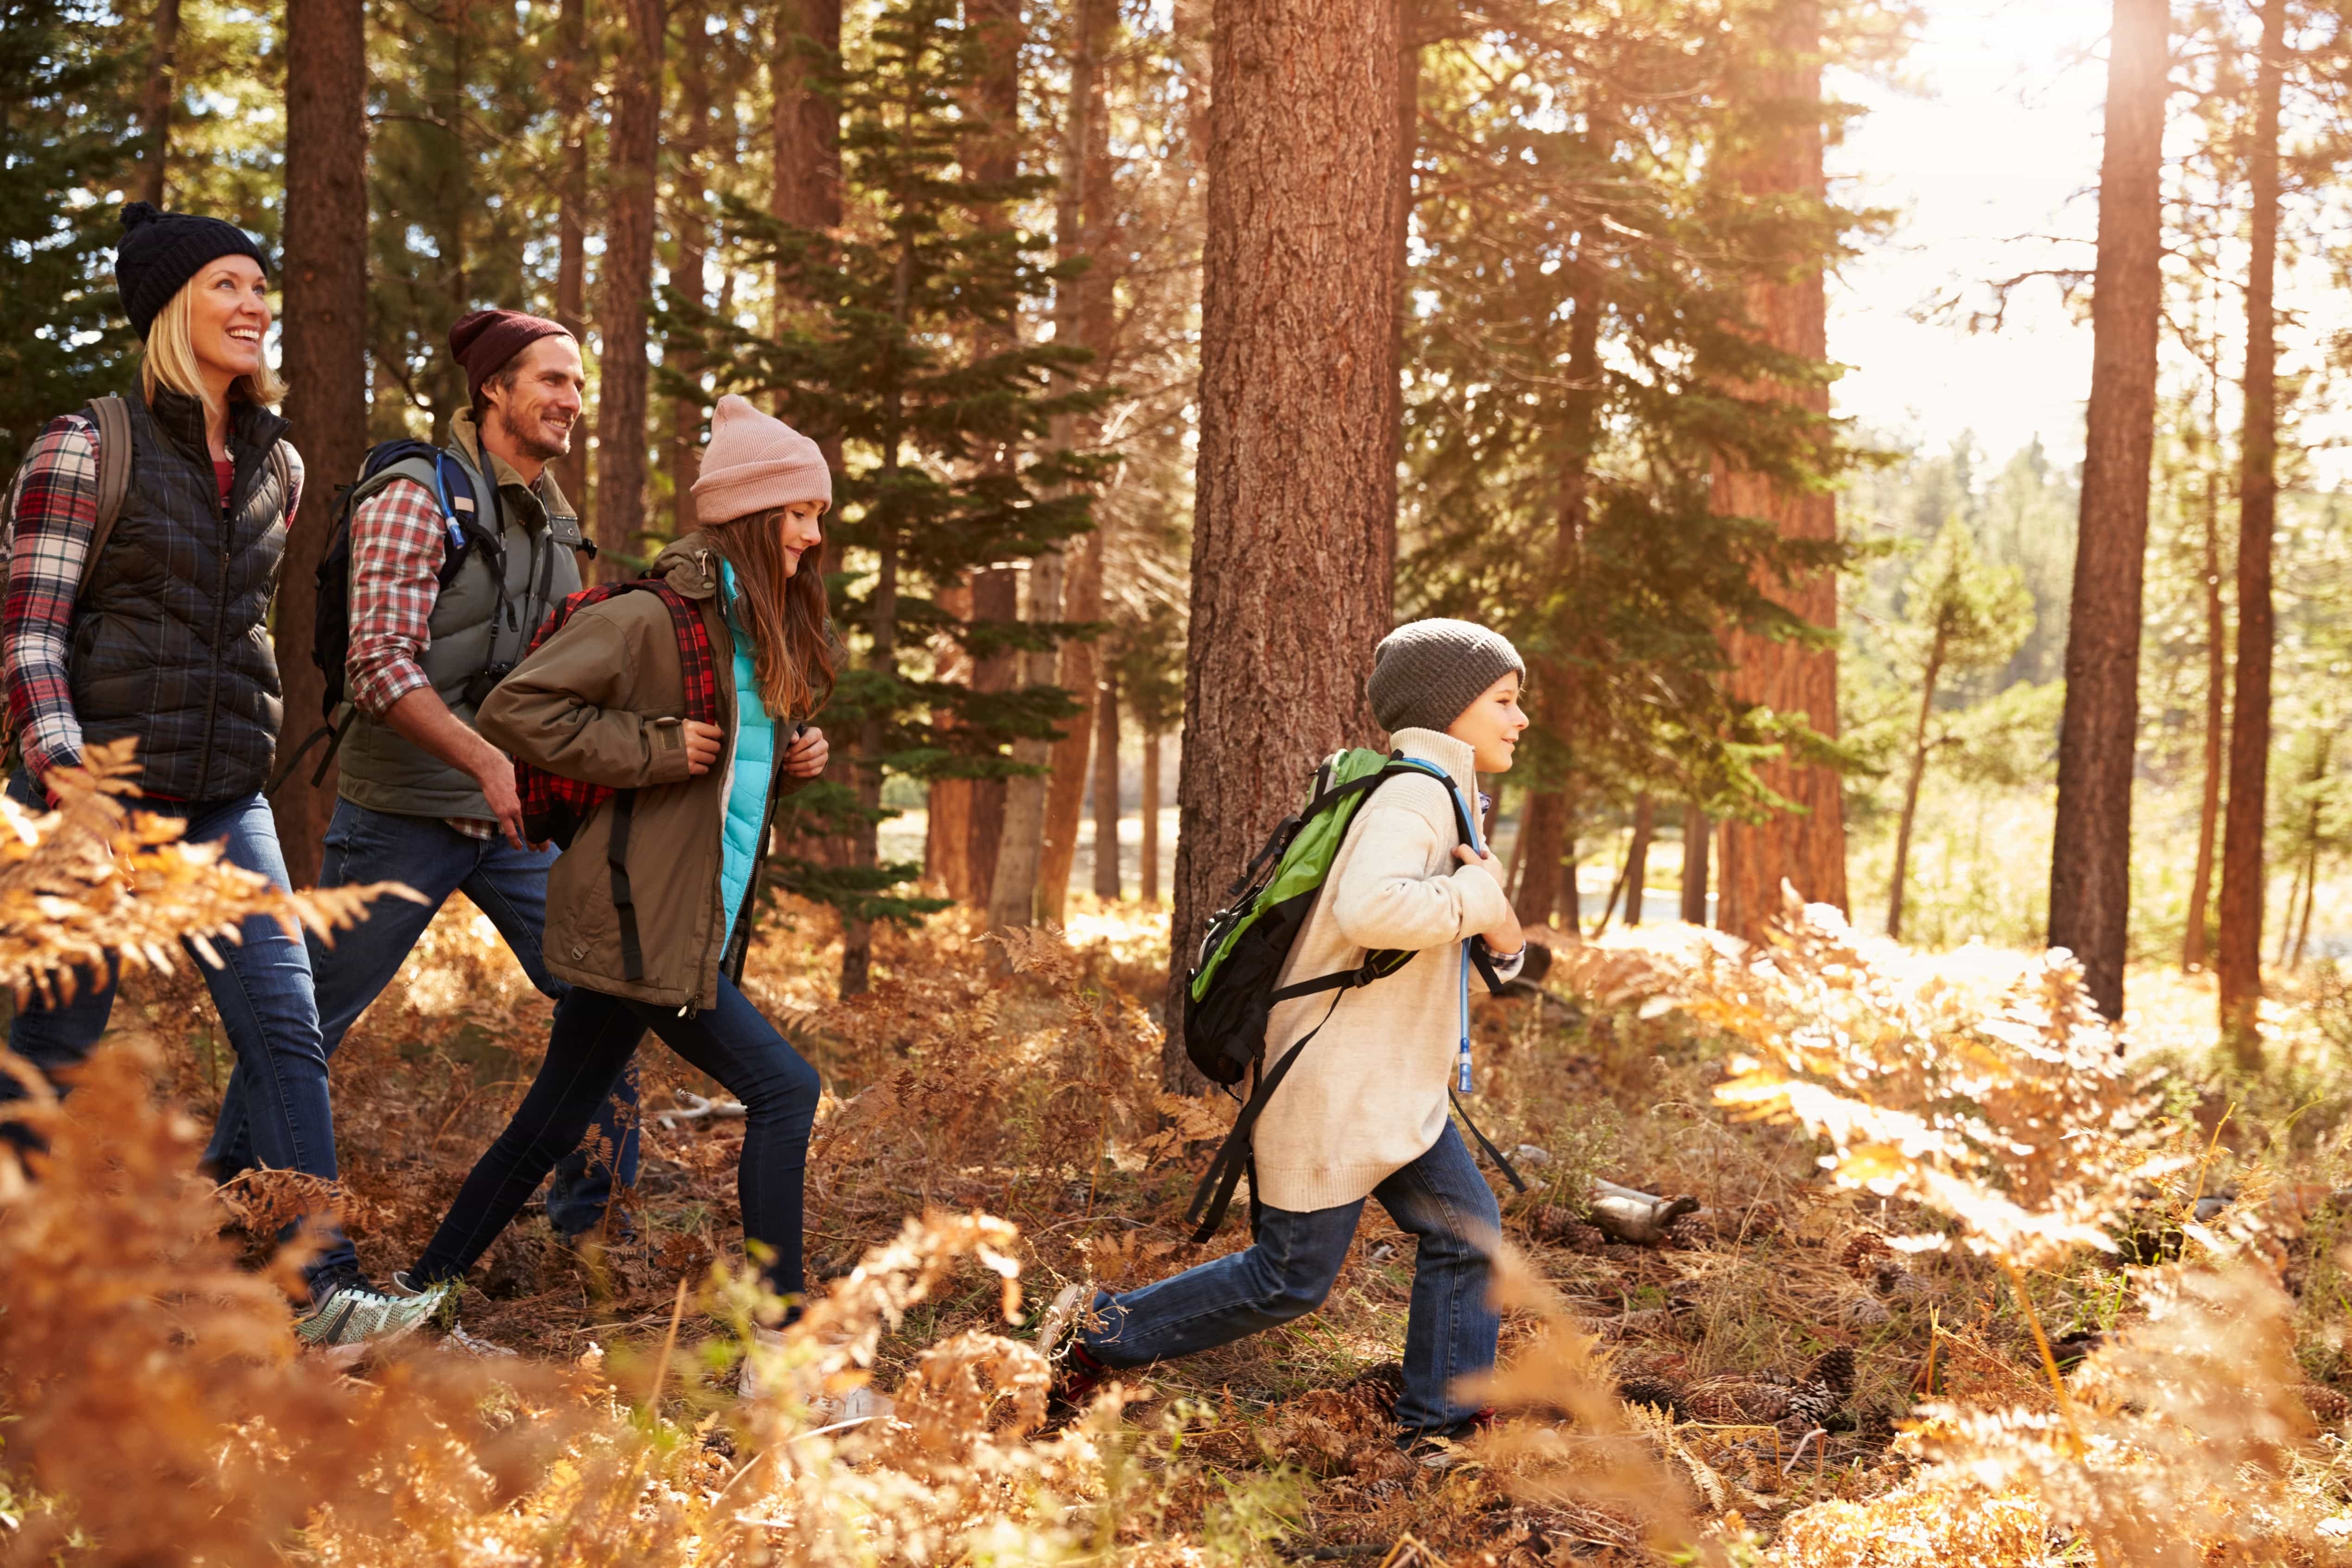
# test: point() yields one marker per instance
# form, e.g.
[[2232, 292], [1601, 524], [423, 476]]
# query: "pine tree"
[[63, 139], [908, 355]]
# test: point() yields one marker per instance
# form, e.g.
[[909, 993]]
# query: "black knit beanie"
[[160, 251], [1427, 672]]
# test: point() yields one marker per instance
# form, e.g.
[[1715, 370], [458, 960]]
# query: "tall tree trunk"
[[1065, 788], [1911, 784], [1021, 847], [1543, 888], [1805, 846], [1148, 856], [325, 361], [692, 225], [2217, 709], [621, 406], [805, 122], [2090, 865], [967, 816], [1294, 517], [574, 68], [1697, 836], [1081, 222], [2238, 960], [155, 103], [1107, 881], [1637, 857]]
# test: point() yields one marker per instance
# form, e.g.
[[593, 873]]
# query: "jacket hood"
[[690, 564]]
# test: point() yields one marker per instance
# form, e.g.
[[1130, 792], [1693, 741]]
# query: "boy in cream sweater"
[[1363, 1112]]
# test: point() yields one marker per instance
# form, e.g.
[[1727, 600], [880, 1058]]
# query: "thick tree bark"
[[2239, 958], [2090, 867], [1918, 772], [1698, 836], [1294, 513], [805, 122], [1805, 846], [155, 103], [1148, 857], [1637, 857], [628, 282], [2217, 719], [967, 816], [325, 275], [1106, 880], [573, 71], [693, 229]]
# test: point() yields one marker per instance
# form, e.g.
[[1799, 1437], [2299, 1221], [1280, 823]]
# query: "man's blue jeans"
[[1440, 1199], [507, 884], [266, 1000]]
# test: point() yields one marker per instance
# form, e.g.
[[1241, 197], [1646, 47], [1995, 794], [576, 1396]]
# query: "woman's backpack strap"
[[113, 421]]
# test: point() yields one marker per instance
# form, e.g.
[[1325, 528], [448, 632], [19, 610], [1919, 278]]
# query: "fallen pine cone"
[[1558, 1223], [1868, 1258], [2327, 1405]]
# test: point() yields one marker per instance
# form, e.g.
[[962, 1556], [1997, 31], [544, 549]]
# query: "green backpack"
[[1236, 980]]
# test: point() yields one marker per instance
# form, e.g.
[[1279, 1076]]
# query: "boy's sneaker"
[[1077, 1373], [350, 1313], [1439, 1447]]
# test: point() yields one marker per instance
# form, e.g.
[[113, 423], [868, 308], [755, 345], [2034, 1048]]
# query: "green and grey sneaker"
[[354, 1313]]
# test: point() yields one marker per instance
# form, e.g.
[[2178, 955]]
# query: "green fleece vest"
[[382, 770]]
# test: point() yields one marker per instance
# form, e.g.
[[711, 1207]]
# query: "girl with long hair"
[[649, 908]]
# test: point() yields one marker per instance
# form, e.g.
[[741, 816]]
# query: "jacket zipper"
[[723, 672], [220, 621]]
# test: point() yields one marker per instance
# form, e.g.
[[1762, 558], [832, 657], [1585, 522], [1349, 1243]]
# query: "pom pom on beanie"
[[1427, 672], [756, 463], [160, 251]]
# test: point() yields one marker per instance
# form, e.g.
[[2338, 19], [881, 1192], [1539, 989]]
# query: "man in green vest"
[[425, 800]]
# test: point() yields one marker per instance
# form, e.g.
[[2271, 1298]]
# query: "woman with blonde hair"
[[162, 637]]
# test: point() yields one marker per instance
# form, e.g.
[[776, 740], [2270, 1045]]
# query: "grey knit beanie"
[[1427, 672]]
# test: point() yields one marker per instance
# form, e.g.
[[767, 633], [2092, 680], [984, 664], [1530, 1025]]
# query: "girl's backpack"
[[1236, 980], [554, 808]]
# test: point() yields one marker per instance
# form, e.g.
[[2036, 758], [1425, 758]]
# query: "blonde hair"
[[169, 358]]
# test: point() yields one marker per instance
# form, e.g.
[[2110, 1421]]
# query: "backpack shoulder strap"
[[113, 417]]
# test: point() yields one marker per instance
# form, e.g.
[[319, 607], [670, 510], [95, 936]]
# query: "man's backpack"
[[1236, 980], [465, 530], [554, 808]]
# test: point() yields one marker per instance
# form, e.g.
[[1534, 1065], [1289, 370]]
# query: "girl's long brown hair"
[[791, 634]]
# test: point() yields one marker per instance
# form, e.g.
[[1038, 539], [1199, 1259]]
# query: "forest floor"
[[1032, 1097]]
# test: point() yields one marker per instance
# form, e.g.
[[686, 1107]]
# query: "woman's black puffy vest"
[[169, 640]]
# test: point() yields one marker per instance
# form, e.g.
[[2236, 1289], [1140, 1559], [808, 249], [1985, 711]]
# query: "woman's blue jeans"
[[509, 885], [266, 1000], [1440, 1199], [588, 1050]]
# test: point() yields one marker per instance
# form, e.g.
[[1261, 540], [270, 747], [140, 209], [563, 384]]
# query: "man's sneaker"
[[1077, 1371], [350, 1313], [855, 1408]]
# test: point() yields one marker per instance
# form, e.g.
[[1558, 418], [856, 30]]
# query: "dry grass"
[[1991, 1174]]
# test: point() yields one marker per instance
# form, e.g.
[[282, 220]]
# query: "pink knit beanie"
[[756, 463]]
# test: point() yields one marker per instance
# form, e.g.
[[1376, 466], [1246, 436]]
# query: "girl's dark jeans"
[[587, 1052]]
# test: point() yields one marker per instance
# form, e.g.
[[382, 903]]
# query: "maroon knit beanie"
[[484, 342]]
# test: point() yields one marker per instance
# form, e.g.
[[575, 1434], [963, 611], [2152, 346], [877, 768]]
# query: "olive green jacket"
[[604, 700]]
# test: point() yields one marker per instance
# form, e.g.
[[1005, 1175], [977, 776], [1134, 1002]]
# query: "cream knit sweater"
[[1368, 1097]]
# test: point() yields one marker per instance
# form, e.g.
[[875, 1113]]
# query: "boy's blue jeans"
[[266, 1000], [1440, 1199], [509, 885]]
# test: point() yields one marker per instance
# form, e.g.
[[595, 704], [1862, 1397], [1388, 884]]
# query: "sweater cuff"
[[1484, 907]]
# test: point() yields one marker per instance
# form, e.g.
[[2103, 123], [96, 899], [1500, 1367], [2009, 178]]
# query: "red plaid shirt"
[[51, 513]]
